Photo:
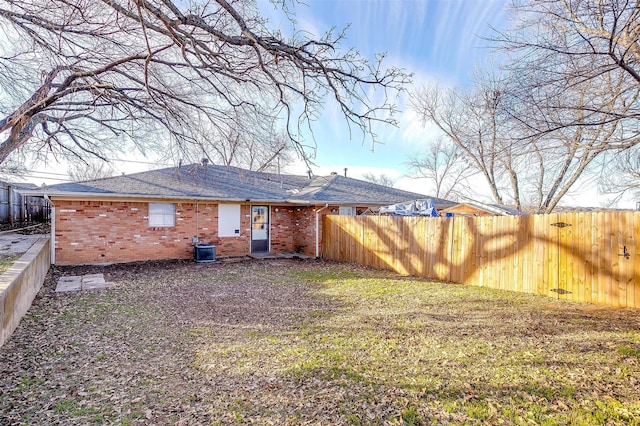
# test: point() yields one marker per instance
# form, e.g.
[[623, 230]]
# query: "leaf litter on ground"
[[313, 342]]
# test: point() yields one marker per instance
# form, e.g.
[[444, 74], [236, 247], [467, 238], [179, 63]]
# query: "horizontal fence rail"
[[584, 257]]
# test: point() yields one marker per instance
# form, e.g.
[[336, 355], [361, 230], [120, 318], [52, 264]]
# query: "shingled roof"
[[226, 183]]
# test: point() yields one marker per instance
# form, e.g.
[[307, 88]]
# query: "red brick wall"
[[282, 229], [89, 232], [306, 227], [305, 223], [225, 246], [293, 228]]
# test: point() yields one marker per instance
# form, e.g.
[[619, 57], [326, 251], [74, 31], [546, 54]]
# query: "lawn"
[[295, 342]]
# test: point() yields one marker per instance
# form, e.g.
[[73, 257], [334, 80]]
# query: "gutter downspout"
[[317, 229], [52, 220], [196, 238]]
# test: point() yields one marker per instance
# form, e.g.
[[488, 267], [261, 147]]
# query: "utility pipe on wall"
[[52, 221], [317, 230], [196, 238]]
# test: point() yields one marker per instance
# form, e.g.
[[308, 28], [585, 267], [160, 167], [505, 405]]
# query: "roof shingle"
[[231, 183]]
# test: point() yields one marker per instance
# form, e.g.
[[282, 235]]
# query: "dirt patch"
[[307, 342]]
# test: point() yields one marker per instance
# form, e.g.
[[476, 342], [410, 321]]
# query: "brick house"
[[160, 214]]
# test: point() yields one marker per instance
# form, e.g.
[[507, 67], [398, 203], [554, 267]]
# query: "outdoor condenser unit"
[[205, 252]]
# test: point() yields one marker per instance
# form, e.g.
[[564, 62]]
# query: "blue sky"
[[434, 39], [437, 40]]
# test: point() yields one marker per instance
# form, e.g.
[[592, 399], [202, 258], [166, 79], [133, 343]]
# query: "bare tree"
[[574, 87], [558, 45], [567, 99], [621, 174], [560, 159], [90, 170], [494, 125], [267, 151], [78, 76], [13, 170], [259, 148], [443, 164], [472, 119], [380, 179]]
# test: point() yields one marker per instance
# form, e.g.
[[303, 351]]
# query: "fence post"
[[10, 203], [23, 201]]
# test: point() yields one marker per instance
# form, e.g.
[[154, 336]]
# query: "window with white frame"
[[162, 215]]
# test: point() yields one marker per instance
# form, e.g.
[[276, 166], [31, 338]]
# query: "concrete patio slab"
[[66, 284], [93, 278], [83, 283], [96, 286], [94, 282]]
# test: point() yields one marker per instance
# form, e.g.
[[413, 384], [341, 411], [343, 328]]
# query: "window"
[[347, 211], [228, 220], [162, 215]]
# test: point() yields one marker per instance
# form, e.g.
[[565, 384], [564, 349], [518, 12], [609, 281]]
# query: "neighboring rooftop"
[[227, 183], [492, 208], [19, 185]]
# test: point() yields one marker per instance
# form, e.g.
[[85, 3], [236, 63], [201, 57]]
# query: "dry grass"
[[287, 342]]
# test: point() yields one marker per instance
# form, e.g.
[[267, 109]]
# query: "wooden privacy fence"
[[15, 207], [585, 257]]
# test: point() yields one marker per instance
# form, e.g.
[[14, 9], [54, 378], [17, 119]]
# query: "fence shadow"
[[587, 257]]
